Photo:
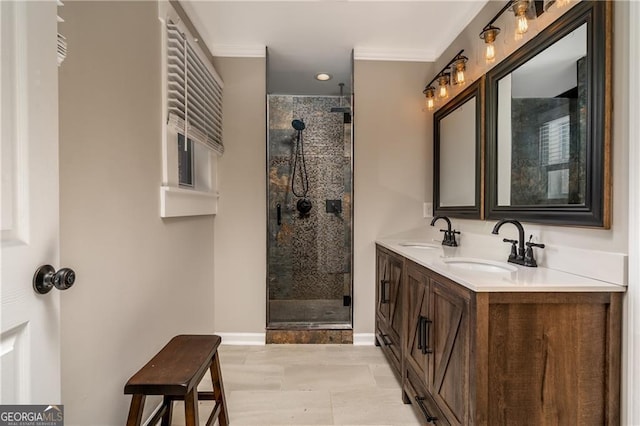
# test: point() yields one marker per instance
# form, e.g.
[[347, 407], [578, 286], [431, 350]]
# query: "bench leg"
[[218, 390], [191, 408], [135, 410], [168, 414]]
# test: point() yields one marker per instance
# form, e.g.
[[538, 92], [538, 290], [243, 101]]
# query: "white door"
[[29, 322]]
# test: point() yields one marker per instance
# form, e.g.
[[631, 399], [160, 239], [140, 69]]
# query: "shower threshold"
[[309, 336], [308, 326]]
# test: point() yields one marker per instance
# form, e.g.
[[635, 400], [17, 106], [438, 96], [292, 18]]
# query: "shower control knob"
[[46, 278]]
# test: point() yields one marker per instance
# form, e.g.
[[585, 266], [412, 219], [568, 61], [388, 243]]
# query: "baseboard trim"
[[250, 339], [364, 339]]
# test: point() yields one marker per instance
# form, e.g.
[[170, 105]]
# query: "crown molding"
[[405, 55], [239, 51]]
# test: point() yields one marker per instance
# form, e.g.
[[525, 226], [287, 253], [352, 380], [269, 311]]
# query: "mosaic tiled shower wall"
[[309, 257]]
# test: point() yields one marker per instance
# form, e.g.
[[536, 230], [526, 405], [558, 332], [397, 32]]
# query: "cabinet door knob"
[[46, 278]]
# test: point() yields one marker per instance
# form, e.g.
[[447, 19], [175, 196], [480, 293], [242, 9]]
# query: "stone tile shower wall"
[[309, 257]]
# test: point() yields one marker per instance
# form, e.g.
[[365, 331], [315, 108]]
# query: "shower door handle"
[[279, 214]]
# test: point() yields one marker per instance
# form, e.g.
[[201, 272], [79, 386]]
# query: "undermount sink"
[[479, 265], [420, 245]]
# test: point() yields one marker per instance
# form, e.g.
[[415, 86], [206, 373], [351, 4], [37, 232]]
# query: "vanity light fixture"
[[520, 10], [458, 69], [444, 79], [430, 94], [523, 11], [443, 82], [323, 76], [489, 34]]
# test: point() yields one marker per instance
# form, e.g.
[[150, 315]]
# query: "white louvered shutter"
[[194, 93]]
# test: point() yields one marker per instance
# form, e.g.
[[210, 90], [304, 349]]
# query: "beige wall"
[[615, 239], [240, 225], [392, 166], [141, 279], [390, 184]]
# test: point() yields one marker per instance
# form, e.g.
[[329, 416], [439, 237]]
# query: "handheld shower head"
[[298, 125]]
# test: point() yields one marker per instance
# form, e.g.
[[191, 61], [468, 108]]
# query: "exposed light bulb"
[[489, 35], [459, 68], [431, 103], [431, 97], [520, 11], [522, 24], [490, 53], [443, 92]]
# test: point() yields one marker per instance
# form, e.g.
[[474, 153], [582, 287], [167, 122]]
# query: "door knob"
[[46, 278]]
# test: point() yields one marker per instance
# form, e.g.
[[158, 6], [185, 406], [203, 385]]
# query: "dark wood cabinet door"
[[389, 281], [395, 298], [417, 311], [449, 364], [382, 286]]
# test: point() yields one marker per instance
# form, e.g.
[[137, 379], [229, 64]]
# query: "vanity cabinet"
[[437, 345], [389, 271], [502, 358]]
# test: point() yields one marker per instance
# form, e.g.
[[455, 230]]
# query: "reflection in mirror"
[[549, 124], [542, 127], [457, 154]]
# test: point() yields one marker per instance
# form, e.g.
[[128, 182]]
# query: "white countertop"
[[524, 279]]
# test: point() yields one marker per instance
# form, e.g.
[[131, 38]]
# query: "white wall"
[[240, 245], [141, 279], [392, 166]]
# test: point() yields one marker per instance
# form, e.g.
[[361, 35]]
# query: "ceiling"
[[304, 38]]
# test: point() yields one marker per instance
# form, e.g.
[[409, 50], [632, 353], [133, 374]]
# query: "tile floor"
[[308, 385]]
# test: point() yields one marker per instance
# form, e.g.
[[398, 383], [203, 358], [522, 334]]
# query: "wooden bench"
[[175, 373]]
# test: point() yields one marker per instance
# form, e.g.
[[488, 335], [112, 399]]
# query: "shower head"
[[344, 109], [298, 125]]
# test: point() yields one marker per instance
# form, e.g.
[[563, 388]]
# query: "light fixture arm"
[[442, 71], [495, 18]]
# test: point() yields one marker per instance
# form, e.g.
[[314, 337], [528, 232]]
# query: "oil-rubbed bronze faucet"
[[449, 234], [519, 256]]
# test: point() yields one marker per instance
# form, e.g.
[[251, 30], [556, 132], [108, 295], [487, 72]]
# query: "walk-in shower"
[[309, 169]]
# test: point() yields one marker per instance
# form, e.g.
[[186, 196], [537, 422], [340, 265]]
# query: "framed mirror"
[[457, 136], [548, 124]]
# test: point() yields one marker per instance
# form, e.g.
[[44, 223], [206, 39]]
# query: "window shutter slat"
[[194, 93]]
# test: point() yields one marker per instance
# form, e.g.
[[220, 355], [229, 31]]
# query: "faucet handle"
[[529, 260], [452, 237], [530, 244], [514, 250]]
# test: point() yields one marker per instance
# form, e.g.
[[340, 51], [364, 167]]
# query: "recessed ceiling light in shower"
[[323, 76]]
